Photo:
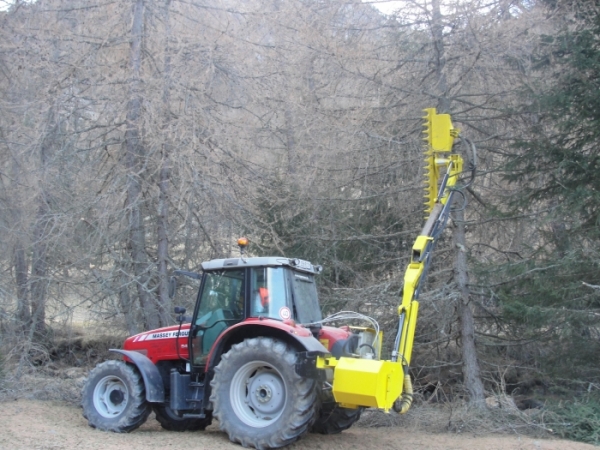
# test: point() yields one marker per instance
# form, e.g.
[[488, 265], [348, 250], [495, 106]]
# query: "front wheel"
[[114, 398], [334, 419], [258, 398]]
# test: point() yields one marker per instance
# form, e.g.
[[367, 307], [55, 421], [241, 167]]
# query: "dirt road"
[[30, 424]]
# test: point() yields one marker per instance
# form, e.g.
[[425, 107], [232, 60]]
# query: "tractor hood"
[[162, 343]]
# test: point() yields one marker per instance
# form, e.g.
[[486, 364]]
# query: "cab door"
[[221, 305]]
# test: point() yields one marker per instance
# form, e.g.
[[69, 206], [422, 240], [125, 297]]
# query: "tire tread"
[[294, 424], [333, 419], [133, 417]]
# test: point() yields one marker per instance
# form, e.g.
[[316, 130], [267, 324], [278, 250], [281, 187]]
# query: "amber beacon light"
[[242, 244]]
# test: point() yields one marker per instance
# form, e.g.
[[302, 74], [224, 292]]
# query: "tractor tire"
[[173, 422], [258, 398], [114, 398], [334, 419]]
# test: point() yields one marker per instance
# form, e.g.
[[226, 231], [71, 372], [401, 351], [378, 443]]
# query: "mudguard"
[[155, 388], [266, 327]]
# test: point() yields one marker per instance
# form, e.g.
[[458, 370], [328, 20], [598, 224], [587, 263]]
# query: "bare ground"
[[37, 424]]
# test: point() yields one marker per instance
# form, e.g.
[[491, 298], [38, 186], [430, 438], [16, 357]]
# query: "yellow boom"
[[385, 384]]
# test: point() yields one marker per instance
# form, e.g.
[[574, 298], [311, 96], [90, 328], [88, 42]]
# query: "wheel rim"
[[258, 394], [110, 396]]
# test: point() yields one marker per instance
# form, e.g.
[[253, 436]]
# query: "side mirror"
[[181, 317], [172, 287]]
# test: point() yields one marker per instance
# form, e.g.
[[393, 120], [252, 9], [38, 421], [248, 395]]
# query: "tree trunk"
[[163, 240], [437, 28], [20, 264], [290, 141], [39, 263], [127, 306], [21, 270], [163, 183], [133, 152], [470, 364]]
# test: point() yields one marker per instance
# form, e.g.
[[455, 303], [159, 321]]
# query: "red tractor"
[[257, 355], [243, 359]]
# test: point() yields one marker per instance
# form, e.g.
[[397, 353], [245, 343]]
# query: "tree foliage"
[[550, 294]]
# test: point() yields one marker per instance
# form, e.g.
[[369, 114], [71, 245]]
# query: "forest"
[[139, 137]]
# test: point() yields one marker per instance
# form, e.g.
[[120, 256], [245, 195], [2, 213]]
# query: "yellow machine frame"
[[364, 382]]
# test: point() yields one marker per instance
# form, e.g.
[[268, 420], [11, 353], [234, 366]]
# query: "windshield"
[[280, 293], [306, 300]]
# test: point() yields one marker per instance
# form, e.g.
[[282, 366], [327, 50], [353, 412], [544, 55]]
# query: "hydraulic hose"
[[402, 406]]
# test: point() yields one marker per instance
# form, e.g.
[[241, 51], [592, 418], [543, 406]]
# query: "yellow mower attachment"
[[364, 382]]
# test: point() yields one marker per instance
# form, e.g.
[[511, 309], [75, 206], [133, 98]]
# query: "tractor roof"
[[266, 261]]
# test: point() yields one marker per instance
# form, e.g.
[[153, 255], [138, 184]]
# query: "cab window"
[[269, 293]]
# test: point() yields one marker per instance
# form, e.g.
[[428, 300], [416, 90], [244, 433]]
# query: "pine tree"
[[552, 297]]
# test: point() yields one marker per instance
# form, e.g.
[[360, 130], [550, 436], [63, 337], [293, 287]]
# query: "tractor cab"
[[239, 290]]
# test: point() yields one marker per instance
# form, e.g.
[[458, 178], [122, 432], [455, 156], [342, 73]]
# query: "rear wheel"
[[114, 398], [171, 421], [257, 396]]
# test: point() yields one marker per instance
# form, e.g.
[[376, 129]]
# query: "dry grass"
[[65, 384], [459, 417], [54, 369], [37, 385]]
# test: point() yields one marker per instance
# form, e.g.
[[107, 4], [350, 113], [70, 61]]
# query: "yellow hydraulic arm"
[[441, 173], [383, 384], [442, 170]]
